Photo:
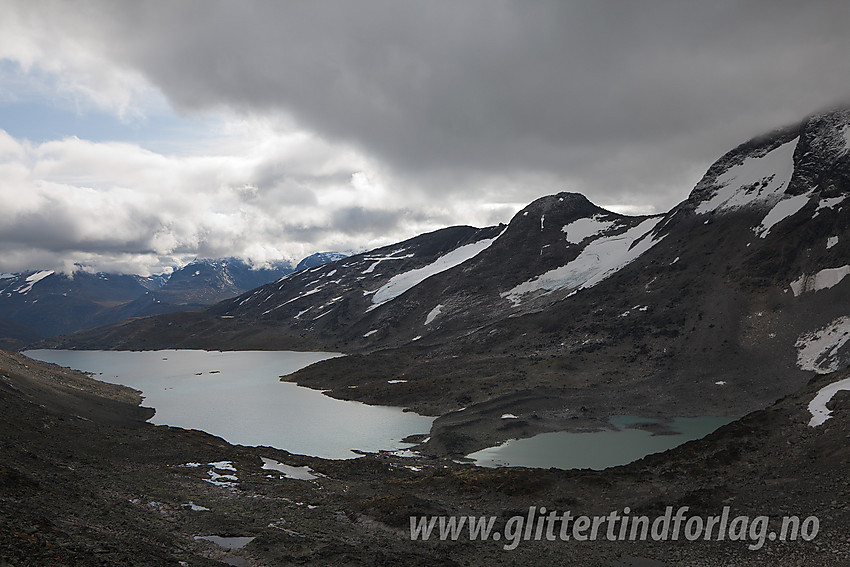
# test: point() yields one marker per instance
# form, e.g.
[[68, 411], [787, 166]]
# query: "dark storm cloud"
[[564, 88], [366, 221]]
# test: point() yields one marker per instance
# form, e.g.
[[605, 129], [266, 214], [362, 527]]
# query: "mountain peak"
[[564, 202], [557, 210], [318, 259], [810, 158]]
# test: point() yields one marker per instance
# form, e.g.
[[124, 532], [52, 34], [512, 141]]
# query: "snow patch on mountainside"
[[824, 279], [580, 229], [757, 179], [831, 241], [599, 259], [433, 314], [378, 259], [400, 283], [781, 211], [818, 350], [817, 407], [830, 202], [34, 279]]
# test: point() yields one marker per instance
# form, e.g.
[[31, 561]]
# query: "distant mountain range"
[[727, 302], [42, 303]]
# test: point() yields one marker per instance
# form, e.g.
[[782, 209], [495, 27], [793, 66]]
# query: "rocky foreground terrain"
[[85, 481]]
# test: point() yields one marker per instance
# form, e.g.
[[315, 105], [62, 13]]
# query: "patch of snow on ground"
[[831, 241], [830, 202], [721, 382], [773, 170], [34, 279], [509, 416], [322, 315], [297, 473], [433, 314], [396, 381], [370, 333], [817, 407], [195, 508], [580, 229], [599, 259], [300, 313], [221, 479], [379, 259], [400, 283], [824, 279], [781, 211], [818, 350]]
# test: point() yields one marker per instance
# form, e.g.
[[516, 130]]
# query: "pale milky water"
[[597, 449], [238, 396]]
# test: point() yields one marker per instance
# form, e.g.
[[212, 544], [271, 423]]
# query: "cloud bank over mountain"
[[269, 130]]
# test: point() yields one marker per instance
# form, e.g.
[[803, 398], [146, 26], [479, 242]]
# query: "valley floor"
[[84, 481]]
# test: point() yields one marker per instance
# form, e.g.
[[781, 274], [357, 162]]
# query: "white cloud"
[[263, 196], [70, 67]]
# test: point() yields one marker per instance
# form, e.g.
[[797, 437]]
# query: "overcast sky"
[[138, 135]]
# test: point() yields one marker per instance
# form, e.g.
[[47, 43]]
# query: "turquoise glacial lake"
[[596, 449], [237, 395]]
